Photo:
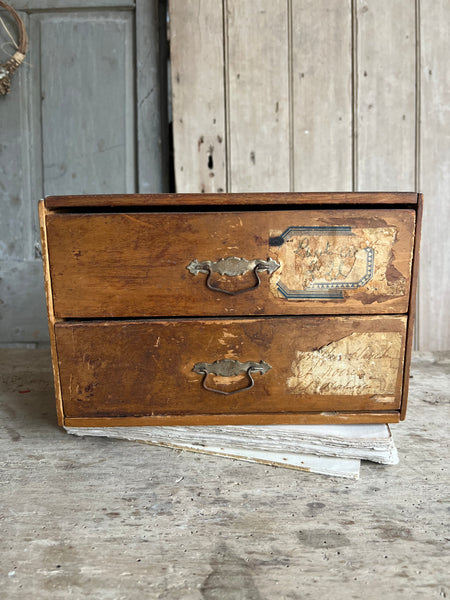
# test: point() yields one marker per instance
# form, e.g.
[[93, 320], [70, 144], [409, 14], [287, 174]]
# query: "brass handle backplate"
[[232, 267], [230, 368]]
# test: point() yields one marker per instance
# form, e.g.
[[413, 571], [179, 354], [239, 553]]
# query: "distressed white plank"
[[258, 76], [434, 279], [386, 95], [198, 100], [87, 102], [152, 172], [15, 218], [23, 316], [322, 95]]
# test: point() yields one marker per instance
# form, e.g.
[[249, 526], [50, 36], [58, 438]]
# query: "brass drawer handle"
[[232, 266], [230, 368]]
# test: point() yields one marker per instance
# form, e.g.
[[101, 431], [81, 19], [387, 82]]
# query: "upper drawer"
[[329, 261]]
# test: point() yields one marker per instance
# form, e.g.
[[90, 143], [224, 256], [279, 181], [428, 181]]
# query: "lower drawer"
[[248, 370]]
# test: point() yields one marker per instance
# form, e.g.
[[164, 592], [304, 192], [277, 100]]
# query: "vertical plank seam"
[[43, 212], [417, 178], [291, 96], [226, 88], [135, 101], [30, 251], [41, 118], [354, 18]]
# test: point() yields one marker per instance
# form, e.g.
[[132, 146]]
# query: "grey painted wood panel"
[[258, 78], [87, 103], [385, 95], [322, 95], [34, 5], [23, 317], [73, 103], [152, 168], [434, 289], [198, 95], [15, 219]]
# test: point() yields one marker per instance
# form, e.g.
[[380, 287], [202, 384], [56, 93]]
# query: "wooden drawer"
[[191, 368], [147, 264], [231, 308]]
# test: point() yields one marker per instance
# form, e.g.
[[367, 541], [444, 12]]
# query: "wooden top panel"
[[220, 200]]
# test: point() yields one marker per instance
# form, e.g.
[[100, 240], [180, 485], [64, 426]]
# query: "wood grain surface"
[[321, 102], [135, 265], [257, 103], [145, 368], [196, 32], [93, 201]]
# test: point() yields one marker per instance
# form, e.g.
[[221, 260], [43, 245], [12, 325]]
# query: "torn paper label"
[[358, 364], [326, 263]]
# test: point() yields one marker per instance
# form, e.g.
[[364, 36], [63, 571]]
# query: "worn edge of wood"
[[117, 200], [50, 312], [412, 307], [324, 418]]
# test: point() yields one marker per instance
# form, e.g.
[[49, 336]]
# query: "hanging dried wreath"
[[8, 68]]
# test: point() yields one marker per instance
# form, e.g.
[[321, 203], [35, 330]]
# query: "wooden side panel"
[[322, 95], [50, 312], [129, 265], [198, 95], [258, 78], [434, 289], [412, 304], [385, 95], [139, 368], [88, 102]]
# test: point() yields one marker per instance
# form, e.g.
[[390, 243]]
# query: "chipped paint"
[[326, 263], [358, 364]]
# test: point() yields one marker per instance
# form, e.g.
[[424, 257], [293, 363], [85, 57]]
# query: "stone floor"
[[103, 519]]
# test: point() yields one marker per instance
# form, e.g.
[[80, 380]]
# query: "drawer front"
[[231, 263], [230, 367]]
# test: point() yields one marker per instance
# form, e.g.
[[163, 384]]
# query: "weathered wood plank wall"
[[434, 173], [319, 95], [83, 116]]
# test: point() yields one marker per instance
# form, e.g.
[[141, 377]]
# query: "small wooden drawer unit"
[[179, 309]]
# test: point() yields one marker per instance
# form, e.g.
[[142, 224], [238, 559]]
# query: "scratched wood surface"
[[315, 364], [130, 265], [221, 201], [367, 99], [174, 525]]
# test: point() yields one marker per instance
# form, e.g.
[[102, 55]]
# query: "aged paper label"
[[326, 262], [358, 364]]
